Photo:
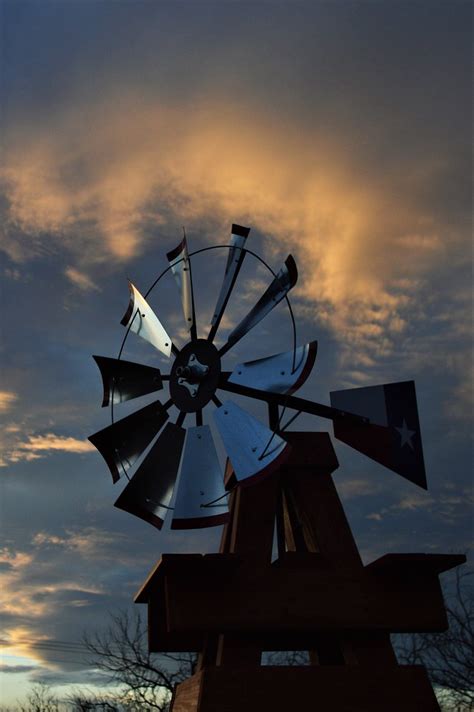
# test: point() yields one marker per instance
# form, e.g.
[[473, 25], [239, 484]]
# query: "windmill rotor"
[[170, 461]]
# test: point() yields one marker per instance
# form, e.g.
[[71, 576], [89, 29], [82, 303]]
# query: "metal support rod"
[[193, 331], [285, 400], [273, 416], [280, 524]]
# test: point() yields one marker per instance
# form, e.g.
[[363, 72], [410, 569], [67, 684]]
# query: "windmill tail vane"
[[177, 468]]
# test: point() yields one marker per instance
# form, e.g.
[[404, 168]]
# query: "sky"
[[340, 132]]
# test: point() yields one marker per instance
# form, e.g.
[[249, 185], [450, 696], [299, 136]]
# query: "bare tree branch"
[[147, 679], [448, 657]]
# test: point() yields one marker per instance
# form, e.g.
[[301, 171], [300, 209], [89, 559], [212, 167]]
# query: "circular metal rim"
[[193, 254]]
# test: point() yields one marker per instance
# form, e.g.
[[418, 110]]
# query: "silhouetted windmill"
[[317, 595]]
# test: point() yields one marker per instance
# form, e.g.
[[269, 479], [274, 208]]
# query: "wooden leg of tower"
[[315, 521], [374, 649], [315, 517], [249, 533], [252, 522]]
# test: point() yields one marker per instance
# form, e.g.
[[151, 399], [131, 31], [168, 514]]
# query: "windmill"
[[317, 596], [380, 421]]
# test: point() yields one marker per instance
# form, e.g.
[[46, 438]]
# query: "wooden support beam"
[[322, 689], [315, 517]]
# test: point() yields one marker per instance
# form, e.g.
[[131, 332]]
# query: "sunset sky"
[[340, 132]]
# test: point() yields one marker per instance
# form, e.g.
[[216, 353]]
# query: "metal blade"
[[181, 269], [149, 492], [253, 449], [234, 263], [142, 320], [125, 380], [276, 373], [278, 289], [393, 438], [200, 484], [122, 443]]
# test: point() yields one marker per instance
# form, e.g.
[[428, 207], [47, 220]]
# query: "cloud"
[[41, 598], [357, 183], [11, 669], [7, 399], [358, 488], [89, 542], [415, 501], [443, 506], [15, 449], [81, 280], [104, 185], [50, 441], [71, 571], [140, 161], [375, 516]]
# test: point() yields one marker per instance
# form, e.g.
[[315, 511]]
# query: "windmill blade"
[[122, 443], [149, 492], [276, 373], [200, 484], [278, 289], [393, 438], [125, 380], [253, 449], [234, 263], [181, 269], [142, 320]]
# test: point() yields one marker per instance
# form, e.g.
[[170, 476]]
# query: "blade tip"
[[173, 254], [128, 314], [292, 269], [240, 230]]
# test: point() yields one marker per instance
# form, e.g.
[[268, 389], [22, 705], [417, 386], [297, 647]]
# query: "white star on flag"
[[406, 435]]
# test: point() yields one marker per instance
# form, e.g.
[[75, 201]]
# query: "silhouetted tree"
[[91, 702], [146, 679], [448, 657], [39, 699]]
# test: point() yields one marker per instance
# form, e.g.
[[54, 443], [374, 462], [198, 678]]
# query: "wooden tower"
[[317, 596]]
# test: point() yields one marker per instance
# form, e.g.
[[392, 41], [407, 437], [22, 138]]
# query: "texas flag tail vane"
[[393, 437]]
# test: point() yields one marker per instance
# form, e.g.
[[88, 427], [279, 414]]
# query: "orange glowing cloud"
[[94, 178]]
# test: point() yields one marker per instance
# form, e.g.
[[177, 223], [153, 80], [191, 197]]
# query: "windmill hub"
[[195, 375]]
